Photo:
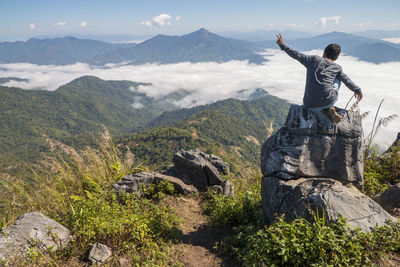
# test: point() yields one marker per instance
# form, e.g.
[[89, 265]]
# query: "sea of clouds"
[[208, 82]]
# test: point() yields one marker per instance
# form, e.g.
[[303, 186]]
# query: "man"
[[323, 79]]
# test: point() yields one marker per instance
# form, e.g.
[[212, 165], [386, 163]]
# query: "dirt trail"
[[196, 247]]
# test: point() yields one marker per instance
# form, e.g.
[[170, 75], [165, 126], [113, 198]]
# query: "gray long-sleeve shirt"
[[321, 73]]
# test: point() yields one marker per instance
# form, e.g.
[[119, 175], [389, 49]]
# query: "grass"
[[76, 190]]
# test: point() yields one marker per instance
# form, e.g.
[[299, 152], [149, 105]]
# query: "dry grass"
[[51, 183]]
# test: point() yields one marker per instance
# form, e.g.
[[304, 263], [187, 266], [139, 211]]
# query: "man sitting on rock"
[[324, 77]]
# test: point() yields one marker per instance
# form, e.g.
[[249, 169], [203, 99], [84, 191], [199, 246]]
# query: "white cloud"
[[159, 21], [324, 20], [32, 26], [178, 18], [137, 104], [83, 24], [208, 82], [148, 24], [392, 40], [61, 23]]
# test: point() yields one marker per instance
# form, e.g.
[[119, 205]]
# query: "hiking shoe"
[[333, 115]]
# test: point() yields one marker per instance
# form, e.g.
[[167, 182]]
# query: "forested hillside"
[[81, 107], [79, 110]]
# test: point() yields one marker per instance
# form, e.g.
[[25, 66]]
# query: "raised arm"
[[302, 58], [350, 84]]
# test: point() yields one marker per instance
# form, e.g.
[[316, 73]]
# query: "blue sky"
[[21, 19]]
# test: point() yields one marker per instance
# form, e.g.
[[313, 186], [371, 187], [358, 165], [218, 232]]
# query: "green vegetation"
[[77, 192], [295, 243], [81, 108], [74, 186], [76, 112], [229, 128], [207, 130], [381, 170]]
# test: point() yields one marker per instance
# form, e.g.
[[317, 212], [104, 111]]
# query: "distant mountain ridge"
[[263, 35], [363, 48], [58, 51], [198, 46]]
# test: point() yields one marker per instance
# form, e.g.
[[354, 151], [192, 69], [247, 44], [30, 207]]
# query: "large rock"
[[32, 229], [390, 198], [310, 145], [294, 198], [200, 169], [132, 183]]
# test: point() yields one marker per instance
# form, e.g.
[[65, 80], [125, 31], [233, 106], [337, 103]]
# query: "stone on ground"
[[32, 229], [201, 170], [99, 253], [390, 198], [295, 198], [132, 183]]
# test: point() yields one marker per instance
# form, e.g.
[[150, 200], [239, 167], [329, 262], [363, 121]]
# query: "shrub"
[[77, 192], [295, 243], [380, 170]]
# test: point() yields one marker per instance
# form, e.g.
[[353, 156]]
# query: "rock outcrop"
[[295, 199], [200, 169], [30, 230], [312, 164], [310, 145], [132, 183], [390, 198], [192, 171]]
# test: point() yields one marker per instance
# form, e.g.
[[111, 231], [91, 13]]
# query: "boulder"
[[390, 198], [310, 145], [99, 253], [124, 262], [132, 183], [295, 198], [32, 229], [200, 169]]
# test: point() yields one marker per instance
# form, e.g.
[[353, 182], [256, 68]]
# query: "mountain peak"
[[201, 32]]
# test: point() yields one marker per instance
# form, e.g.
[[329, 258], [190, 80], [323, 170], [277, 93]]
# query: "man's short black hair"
[[332, 51]]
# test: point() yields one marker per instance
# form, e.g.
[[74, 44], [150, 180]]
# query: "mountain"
[[378, 34], [377, 52], [198, 46], [258, 111], [77, 111], [82, 106], [366, 49], [109, 38], [58, 51], [8, 79], [263, 35], [233, 126]]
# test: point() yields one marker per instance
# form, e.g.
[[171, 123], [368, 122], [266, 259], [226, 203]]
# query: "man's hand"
[[280, 41], [359, 96]]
